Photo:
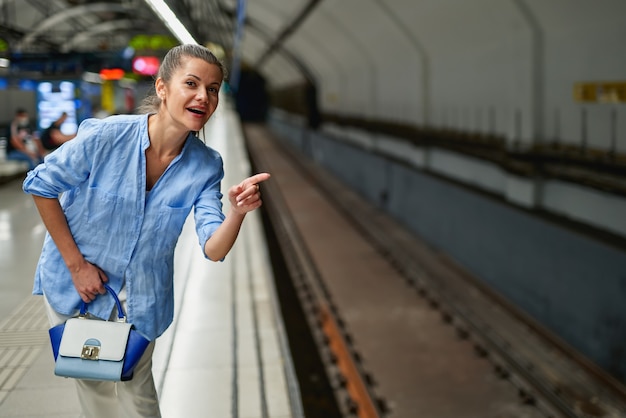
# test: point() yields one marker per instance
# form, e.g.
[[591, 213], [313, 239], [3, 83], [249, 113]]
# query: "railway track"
[[510, 365]]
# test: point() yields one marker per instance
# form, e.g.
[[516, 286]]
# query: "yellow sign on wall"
[[108, 96], [600, 92]]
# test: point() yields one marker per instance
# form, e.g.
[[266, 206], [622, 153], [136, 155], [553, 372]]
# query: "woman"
[[127, 184]]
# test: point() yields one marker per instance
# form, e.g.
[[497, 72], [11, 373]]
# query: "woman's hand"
[[243, 198], [88, 280], [246, 196]]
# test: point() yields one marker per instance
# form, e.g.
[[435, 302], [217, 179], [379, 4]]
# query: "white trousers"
[[136, 398]]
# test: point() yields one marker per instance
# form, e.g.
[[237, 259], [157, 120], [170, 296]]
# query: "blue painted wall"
[[570, 282]]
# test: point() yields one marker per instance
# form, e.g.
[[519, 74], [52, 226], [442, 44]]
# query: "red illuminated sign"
[[111, 74]]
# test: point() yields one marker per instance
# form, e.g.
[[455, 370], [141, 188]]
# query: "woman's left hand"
[[246, 196]]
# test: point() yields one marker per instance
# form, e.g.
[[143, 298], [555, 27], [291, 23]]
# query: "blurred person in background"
[[52, 137], [23, 144]]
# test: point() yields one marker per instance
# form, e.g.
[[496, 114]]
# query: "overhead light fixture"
[[171, 21]]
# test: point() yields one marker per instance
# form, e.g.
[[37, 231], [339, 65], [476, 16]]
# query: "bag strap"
[[120, 312]]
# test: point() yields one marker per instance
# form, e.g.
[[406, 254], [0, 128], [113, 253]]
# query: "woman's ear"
[[159, 88]]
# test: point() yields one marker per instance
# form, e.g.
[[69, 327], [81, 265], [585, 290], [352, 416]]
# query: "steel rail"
[[322, 316]]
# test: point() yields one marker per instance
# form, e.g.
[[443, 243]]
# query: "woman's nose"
[[202, 96]]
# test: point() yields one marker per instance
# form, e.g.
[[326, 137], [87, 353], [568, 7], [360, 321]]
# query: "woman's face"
[[191, 96]]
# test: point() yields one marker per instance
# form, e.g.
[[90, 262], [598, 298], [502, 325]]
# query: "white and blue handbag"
[[94, 349]]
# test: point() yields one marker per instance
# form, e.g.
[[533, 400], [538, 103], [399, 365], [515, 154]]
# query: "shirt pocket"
[[106, 210]]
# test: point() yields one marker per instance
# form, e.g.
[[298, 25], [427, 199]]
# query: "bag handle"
[[120, 312]]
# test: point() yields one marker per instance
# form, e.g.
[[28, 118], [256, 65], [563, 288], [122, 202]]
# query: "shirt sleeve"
[[208, 206], [68, 166]]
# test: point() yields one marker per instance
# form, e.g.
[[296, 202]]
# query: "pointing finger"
[[257, 178]]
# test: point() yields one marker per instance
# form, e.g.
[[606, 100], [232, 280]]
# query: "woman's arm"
[[59, 137], [87, 277], [244, 198]]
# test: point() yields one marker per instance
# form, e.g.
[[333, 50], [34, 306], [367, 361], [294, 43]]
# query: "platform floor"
[[226, 352]]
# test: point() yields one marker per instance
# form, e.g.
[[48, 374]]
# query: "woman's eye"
[[191, 83]]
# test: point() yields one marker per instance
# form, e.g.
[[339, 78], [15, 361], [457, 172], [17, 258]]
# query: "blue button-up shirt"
[[100, 177]]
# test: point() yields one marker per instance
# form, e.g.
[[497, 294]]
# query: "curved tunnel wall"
[[569, 282], [501, 69]]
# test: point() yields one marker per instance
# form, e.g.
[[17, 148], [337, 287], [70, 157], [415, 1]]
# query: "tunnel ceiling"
[[292, 40], [76, 26]]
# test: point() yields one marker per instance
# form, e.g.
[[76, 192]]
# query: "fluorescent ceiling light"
[[171, 21]]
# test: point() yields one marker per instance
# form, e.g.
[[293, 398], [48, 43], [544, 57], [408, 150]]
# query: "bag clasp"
[[90, 352]]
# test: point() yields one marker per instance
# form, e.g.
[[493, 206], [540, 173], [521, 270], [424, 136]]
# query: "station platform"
[[225, 355]]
